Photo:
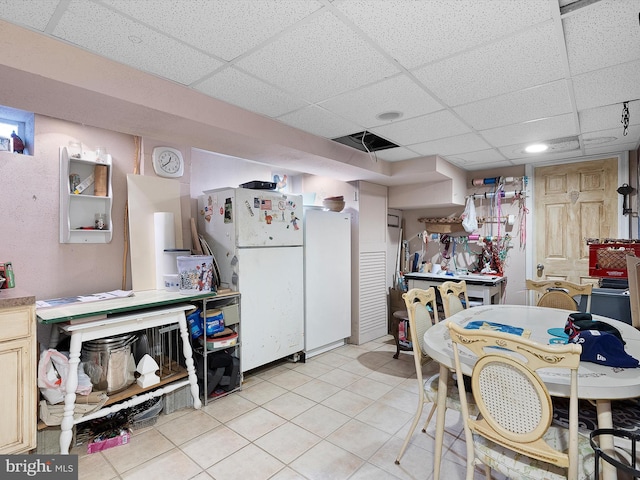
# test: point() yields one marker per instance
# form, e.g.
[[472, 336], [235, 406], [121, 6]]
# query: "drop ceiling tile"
[[318, 60], [611, 85], [532, 103], [482, 156], [535, 131], [603, 34], [399, 94], [614, 136], [469, 142], [100, 30], [422, 129], [396, 154], [226, 28], [320, 122], [603, 118], [415, 33], [475, 166], [522, 61], [625, 147], [238, 88], [31, 14]]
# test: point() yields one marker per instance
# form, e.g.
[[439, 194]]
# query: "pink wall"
[[29, 215]]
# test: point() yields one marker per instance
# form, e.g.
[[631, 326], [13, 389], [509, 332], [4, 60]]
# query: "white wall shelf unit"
[[78, 211]]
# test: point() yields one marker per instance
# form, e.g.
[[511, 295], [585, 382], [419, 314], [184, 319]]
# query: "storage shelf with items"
[[85, 196], [216, 344]]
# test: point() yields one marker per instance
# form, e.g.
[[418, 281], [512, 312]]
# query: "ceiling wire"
[[372, 155]]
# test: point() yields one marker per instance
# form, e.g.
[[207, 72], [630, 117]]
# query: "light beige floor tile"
[[400, 399], [332, 359], [141, 448], [231, 406], [287, 442], [316, 390], [416, 463], [369, 388], [339, 378], [321, 420], [266, 373], [371, 472], [248, 463], [287, 474], [262, 393], [348, 403], [254, 424], [214, 446], [385, 418], [95, 467], [289, 405], [326, 461], [375, 359], [351, 351], [164, 418], [359, 438], [173, 464], [355, 366], [202, 476], [188, 426], [312, 368], [290, 379], [387, 376]]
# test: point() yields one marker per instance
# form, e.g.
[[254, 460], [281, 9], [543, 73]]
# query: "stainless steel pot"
[[109, 362]]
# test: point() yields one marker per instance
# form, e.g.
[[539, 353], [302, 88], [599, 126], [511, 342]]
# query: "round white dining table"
[[595, 382]]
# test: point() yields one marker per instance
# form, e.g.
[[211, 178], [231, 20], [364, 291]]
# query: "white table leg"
[[441, 411], [188, 359], [605, 420], [66, 426]]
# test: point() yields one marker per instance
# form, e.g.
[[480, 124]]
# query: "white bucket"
[[196, 274]]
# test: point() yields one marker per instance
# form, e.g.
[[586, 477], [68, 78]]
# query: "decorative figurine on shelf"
[[147, 367], [281, 183], [18, 144]]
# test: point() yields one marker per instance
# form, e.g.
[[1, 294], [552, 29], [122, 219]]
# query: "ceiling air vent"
[[365, 142]]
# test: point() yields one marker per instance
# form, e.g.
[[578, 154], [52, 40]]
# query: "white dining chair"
[[513, 433], [454, 297], [420, 306]]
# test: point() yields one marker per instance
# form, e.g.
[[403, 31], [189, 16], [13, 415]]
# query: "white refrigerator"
[[256, 237], [327, 285]]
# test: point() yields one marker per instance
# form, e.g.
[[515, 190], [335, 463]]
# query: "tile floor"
[[341, 415]]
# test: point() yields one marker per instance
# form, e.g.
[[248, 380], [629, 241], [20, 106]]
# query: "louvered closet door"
[[370, 320], [373, 296]]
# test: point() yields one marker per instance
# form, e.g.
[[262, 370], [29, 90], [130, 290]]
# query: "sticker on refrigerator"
[[265, 204], [294, 221], [228, 211], [208, 209]]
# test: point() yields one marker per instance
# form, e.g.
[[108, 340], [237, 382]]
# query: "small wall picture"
[[6, 144]]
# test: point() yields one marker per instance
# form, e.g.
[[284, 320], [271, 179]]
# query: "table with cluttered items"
[[608, 371], [111, 314]]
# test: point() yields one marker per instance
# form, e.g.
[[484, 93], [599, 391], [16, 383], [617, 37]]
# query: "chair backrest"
[[418, 303], [560, 293], [515, 406], [450, 292]]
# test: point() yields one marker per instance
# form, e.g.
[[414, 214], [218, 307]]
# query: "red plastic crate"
[[608, 260]]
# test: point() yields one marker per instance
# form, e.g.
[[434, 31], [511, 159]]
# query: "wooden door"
[[573, 202]]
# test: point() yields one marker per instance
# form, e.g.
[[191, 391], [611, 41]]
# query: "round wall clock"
[[168, 162]]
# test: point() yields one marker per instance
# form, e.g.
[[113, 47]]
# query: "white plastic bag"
[[469, 218], [53, 370]]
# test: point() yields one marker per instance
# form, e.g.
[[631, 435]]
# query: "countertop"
[[15, 297], [471, 279]]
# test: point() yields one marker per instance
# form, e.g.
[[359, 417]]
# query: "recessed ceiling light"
[[388, 116], [536, 148]]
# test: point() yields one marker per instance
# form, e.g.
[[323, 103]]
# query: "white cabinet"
[[85, 197], [18, 366]]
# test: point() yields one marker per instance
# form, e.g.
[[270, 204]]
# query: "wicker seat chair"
[[514, 434], [420, 306], [454, 297], [560, 294]]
